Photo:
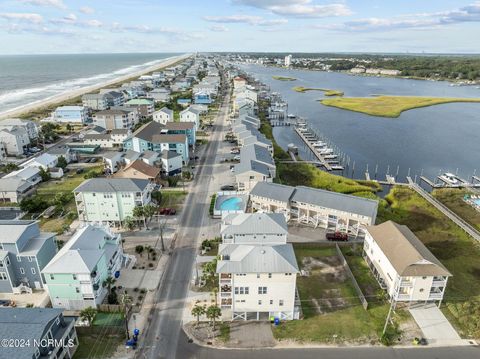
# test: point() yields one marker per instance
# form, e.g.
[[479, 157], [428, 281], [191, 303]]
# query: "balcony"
[[439, 283], [435, 295], [406, 283], [226, 302], [403, 297], [226, 289]]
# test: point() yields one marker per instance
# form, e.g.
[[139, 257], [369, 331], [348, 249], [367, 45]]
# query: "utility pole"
[[388, 317]]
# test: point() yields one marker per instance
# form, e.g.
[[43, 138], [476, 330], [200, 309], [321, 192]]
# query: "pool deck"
[[222, 197]]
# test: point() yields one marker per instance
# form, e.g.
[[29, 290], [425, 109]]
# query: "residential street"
[[161, 338]]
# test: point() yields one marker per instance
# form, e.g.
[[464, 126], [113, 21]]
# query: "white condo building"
[[257, 268], [403, 265]]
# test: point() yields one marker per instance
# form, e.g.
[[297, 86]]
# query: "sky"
[[104, 26]]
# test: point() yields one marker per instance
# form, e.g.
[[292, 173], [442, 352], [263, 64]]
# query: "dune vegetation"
[[326, 92], [389, 106]]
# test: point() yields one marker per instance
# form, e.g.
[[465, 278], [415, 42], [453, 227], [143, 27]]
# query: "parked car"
[[93, 159], [168, 211], [337, 236], [227, 187], [236, 158]]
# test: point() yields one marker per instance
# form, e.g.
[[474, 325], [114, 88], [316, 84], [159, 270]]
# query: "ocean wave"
[[12, 100]]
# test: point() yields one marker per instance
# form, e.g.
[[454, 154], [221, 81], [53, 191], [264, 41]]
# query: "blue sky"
[[66, 26]]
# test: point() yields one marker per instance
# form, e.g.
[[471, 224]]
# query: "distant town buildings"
[[288, 60]]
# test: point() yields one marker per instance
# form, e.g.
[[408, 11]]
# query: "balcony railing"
[[406, 283], [439, 283], [403, 297], [225, 276], [227, 301], [435, 295]]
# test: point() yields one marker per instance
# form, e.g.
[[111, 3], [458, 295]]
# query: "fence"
[[352, 277]]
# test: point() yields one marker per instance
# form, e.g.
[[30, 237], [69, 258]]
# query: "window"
[[74, 277], [259, 302], [241, 290], [271, 301], [52, 277], [19, 259], [1, 264], [280, 302], [262, 290], [269, 275], [3, 276], [33, 270], [22, 271], [77, 290], [30, 258], [421, 290], [258, 275]]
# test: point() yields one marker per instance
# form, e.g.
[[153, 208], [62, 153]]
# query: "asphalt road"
[[162, 334]]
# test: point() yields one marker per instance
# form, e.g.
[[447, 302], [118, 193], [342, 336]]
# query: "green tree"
[[69, 128], [10, 167], [129, 223], [109, 282], [44, 174], [157, 197], [138, 213], [62, 162], [139, 249], [148, 211], [198, 311], [213, 313], [88, 314]]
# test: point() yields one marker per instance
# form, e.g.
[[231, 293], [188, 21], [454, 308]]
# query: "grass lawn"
[[172, 199], [283, 78], [453, 247], [389, 106], [96, 346], [329, 303], [66, 184], [327, 92], [108, 319], [453, 199]]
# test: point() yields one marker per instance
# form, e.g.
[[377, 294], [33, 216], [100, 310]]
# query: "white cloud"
[[87, 10], [245, 19], [172, 33], [298, 8], [469, 13], [93, 23], [218, 28], [52, 3], [23, 17]]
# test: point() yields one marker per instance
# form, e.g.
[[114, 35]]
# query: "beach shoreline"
[[65, 96]]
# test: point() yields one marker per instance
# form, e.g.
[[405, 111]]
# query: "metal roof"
[[274, 191], [254, 223], [113, 185], [242, 258], [335, 200]]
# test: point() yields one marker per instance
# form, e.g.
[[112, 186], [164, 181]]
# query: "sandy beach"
[[78, 92]]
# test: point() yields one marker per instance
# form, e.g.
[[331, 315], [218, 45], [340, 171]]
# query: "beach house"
[[191, 115], [75, 276], [29, 126], [111, 200], [163, 115], [70, 114], [257, 269], [144, 106], [15, 141], [402, 264], [25, 251]]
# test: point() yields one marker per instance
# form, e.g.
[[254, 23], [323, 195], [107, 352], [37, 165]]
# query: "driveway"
[[139, 278], [434, 326]]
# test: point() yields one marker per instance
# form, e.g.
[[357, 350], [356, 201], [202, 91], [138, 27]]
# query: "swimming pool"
[[232, 204], [228, 202]]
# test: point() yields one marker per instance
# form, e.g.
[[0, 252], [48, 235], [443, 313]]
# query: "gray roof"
[[13, 230], [83, 251], [111, 112], [166, 110], [113, 185], [254, 223], [256, 152], [132, 155], [24, 323], [192, 110], [149, 154], [14, 184], [170, 154], [274, 191], [252, 165], [243, 258], [338, 201]]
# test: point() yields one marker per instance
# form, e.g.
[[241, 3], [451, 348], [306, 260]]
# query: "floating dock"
[[308, 142]]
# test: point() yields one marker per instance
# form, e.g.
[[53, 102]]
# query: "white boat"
[[319, 144], [449, 178], [291, 115], [337, 168], [326, 151], [330, 157]]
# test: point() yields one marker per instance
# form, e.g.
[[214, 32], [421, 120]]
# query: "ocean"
[[26, 79]]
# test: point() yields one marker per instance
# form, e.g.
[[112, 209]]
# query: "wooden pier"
[[320, 158]]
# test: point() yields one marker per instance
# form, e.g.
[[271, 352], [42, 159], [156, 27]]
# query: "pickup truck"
[[337, 236]]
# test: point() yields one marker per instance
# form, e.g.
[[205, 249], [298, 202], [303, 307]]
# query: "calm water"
[[432, 139], [29, 78]]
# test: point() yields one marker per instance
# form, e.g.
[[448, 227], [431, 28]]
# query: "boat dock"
[[443, 184], [309, 142]]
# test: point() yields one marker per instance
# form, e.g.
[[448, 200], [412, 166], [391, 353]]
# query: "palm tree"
[[88, 314], [213, 313], [198, 310], [109, 282], [139, 213], [129, 223]]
